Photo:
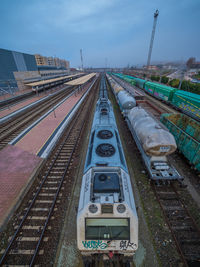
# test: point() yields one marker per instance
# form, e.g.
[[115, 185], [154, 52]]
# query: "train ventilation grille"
[[105, 150], [104, 111], [105, 134]]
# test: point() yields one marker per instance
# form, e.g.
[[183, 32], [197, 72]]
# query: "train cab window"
[[107, 229], [106, 183]]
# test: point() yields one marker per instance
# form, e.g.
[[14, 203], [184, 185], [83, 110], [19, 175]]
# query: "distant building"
[[16, 69], [12, 61], [151, 67], [40, 60], [50, 61], [192, 63], [54, 62], [192, 72]]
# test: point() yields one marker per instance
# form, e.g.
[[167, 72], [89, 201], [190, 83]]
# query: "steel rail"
[[58, 190], [21, 123], [25, 112], [39, 190], [169, 223]]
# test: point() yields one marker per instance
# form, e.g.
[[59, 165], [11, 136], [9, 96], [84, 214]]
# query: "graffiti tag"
[[125, 244], [95, 244]]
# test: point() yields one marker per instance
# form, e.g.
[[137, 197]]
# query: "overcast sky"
[[116, 32]]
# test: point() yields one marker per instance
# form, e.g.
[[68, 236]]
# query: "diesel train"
[[107, 222], [153, 140]]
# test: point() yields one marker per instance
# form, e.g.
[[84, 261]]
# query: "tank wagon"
[[154, 142], [125, 100], [107, 222], [188, 103]]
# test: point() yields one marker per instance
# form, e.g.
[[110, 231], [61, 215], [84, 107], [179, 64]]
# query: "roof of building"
[[81, 80], [49, 81]]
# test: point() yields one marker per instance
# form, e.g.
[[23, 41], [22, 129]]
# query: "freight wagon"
[[187, 135], [154, 142], [159, 90], [188, 102]]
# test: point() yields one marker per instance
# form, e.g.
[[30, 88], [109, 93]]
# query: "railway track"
[[7, 103], [183, 228], [31, 241], [14, 100], [154, 102], [9, 130]]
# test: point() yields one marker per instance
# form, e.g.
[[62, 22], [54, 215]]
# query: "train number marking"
[[95, 244]]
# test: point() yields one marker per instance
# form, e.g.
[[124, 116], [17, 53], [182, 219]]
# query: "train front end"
[[107, 223]]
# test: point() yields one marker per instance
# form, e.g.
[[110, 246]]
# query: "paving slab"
[[17, 168]]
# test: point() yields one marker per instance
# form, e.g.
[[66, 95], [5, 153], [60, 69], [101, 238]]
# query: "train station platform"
[[21, 104], [23, 157], [38, 135], [36, 86], [17, 170]]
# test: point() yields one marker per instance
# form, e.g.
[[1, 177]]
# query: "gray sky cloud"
[[118, 30]]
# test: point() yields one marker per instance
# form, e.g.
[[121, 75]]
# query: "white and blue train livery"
[[107, 222]]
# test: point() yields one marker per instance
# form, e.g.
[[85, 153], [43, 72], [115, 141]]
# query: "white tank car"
[[107, 222], [126, 101], [156, 141], [116, 87]]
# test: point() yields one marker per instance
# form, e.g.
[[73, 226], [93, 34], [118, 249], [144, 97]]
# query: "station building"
[[17, 69]]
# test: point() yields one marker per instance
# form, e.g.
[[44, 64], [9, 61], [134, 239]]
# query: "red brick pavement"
[[34, 140], [19, 162], [16, 167]]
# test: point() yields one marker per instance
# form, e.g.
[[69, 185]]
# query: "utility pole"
[[81, 59], [152, 37], [105, 64]]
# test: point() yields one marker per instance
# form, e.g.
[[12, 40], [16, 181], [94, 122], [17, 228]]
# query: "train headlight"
[[121, 208], [93, 208]]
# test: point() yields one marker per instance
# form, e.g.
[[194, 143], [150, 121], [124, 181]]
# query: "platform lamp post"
[[37, 91]]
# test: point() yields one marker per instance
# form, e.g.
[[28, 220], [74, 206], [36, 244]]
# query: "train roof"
[[105, 147], [50, 80], [188, 94], [81, 80], [164, 87]]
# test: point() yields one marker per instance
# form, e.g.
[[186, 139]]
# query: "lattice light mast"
[[152, 37], [81, 59]]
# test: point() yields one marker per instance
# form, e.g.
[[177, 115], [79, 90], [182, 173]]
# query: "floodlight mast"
[[81, 59], [152, 37]]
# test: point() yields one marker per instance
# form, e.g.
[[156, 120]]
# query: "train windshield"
[[107, 229]]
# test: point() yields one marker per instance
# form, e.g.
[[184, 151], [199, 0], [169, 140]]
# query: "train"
[[187, 135], [188, 103], [107, 221], [153, 140]]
